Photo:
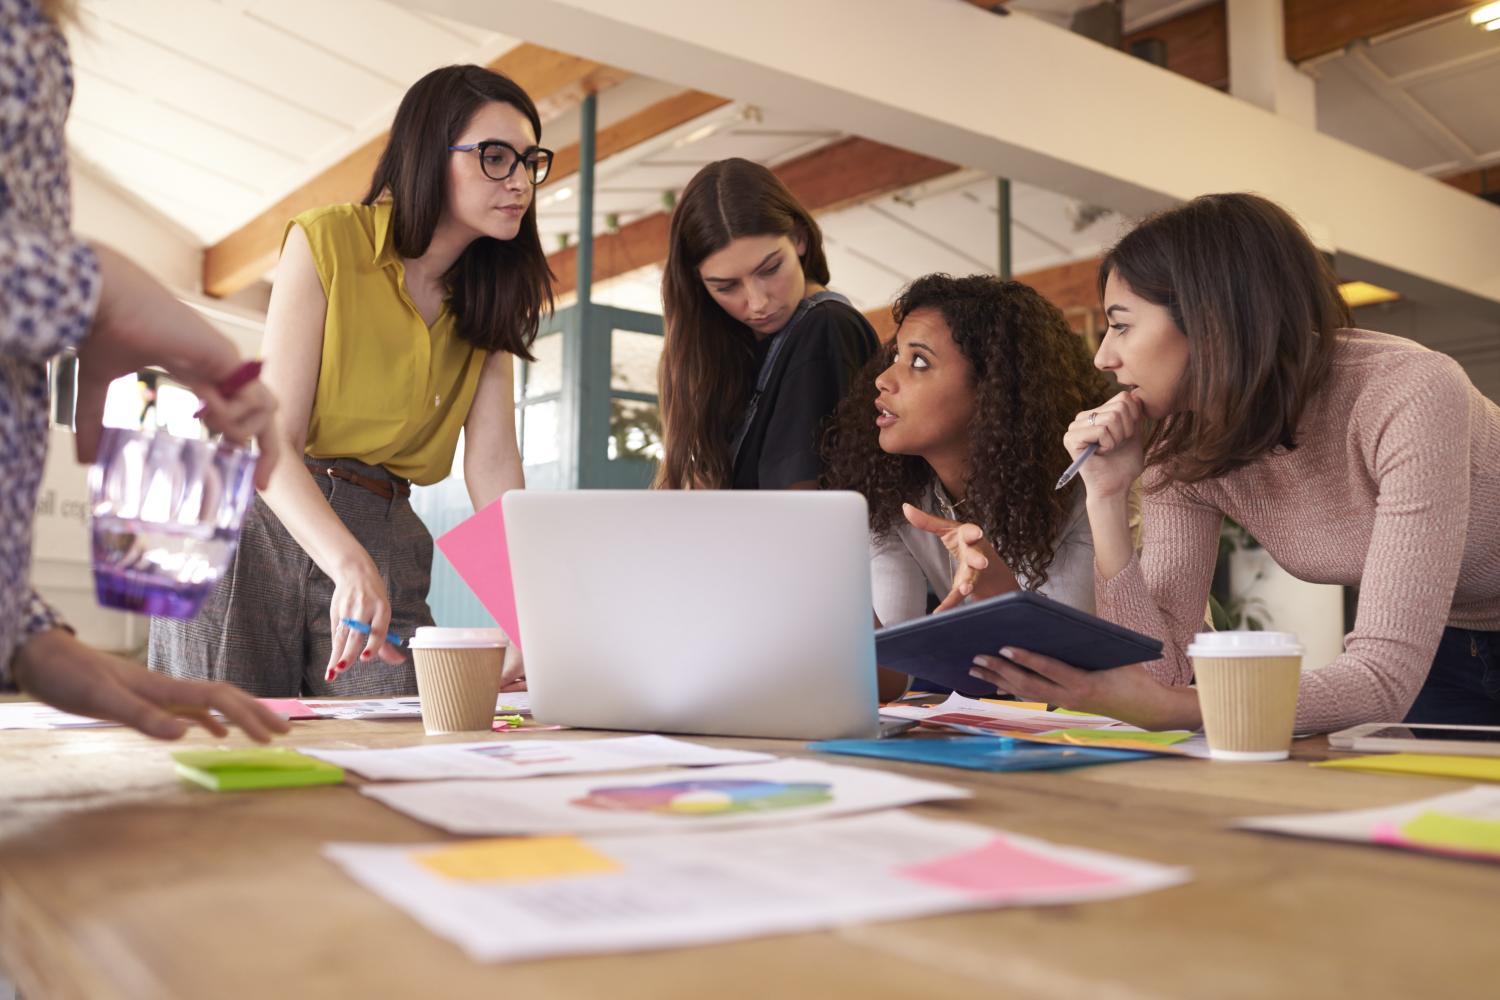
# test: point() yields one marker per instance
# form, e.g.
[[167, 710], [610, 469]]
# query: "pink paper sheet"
[[1001, 869], [289, 707], [477, 550]]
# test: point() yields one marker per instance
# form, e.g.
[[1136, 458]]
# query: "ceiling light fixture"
[[1488, 15], [697, 135]]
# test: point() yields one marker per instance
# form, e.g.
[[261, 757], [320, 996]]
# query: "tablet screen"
[[1490, 735]]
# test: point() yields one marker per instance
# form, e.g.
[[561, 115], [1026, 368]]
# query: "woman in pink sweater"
[[1353, 457]]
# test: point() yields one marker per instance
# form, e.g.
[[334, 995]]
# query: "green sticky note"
[[226, 770], [1447, 832], [1165, 739]]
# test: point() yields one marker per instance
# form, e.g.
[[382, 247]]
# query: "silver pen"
[[1072, 470]]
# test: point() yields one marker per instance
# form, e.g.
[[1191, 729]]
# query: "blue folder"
[[979, 753]]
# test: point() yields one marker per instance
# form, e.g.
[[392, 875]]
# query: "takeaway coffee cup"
[[1247, 689], [458, 677]]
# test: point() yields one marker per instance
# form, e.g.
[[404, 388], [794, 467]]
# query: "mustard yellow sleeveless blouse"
[[391, 391]]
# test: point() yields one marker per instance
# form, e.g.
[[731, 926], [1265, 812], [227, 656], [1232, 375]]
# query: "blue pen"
[[363, 629]]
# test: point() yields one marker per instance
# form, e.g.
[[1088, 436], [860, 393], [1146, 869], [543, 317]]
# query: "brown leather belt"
[[385, 489]]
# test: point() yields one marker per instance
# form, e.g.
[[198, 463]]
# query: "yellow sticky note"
[[1034, 706], [1447, 832], [1438, 765], [516, 859]]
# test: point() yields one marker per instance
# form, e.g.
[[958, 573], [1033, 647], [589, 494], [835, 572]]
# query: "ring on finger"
[[1093, 417]]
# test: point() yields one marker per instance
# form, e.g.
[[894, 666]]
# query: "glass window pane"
[[149, 400], [544, 375], [633, 360], [539, 438], [634, 430]]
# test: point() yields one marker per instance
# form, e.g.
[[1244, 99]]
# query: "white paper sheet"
[[528, 758], [785, 791], [514, 703], [35, 715], [1437, 825], [537, 897], [993, 718], [991, 715]]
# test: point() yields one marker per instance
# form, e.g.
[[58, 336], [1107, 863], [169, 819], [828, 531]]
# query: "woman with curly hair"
[[951, 435]]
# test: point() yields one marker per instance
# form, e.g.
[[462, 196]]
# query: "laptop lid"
[[734, 613]]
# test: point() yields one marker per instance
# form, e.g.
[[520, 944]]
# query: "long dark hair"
[[497, 289], [1030, 373], [1260, 307], [707, 360]]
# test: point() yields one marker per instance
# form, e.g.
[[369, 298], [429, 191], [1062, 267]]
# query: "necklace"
[[950, 508]]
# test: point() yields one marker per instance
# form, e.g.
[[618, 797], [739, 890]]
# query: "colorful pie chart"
[[707, 797]]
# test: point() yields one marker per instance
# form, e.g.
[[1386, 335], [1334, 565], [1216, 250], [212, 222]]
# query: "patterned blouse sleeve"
[[49, 289]]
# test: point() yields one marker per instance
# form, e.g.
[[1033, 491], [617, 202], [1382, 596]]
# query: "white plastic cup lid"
[[1233, 644], [438, 637]]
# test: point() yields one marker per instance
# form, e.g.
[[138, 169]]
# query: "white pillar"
[[1258, 68]]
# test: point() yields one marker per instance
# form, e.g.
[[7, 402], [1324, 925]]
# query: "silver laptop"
[[732, 613]]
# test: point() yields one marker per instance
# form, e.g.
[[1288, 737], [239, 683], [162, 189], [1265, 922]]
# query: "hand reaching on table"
[[56, 668]]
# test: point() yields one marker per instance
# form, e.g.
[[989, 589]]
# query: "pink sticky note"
[[289, 707], [1001, 869], [478, 552]]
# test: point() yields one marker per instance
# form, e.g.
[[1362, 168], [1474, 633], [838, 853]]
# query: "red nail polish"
[[340, 665], [365, 655]]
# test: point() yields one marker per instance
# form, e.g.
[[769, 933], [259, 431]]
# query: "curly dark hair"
[[1031, 376]]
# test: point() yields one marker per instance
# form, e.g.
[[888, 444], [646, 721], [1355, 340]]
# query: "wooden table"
[[117, 880]]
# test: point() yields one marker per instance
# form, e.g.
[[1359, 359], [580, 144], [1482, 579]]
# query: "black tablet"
[[941, 648]]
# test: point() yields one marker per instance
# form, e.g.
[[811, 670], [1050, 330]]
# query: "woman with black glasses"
[[392, 327]]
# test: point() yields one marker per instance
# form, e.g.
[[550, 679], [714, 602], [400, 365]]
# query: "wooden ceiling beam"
[[555, 80], [1485, 180], [1317, 27]]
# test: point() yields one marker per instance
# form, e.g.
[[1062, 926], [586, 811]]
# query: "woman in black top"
[[758, 352]]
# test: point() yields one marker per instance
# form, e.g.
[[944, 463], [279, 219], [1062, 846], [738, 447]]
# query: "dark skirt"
[[266, 626]]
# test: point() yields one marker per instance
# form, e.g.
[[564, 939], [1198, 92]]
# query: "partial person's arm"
[[492, 463], [52, 286], [294, 353], [54, 667], [1419, 454], [52, 291], [140, 324], [1161, 591], [492, 456]]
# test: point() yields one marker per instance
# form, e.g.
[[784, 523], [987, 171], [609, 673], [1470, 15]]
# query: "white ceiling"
[[633, 184], [212, 110], [1424, 98]]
